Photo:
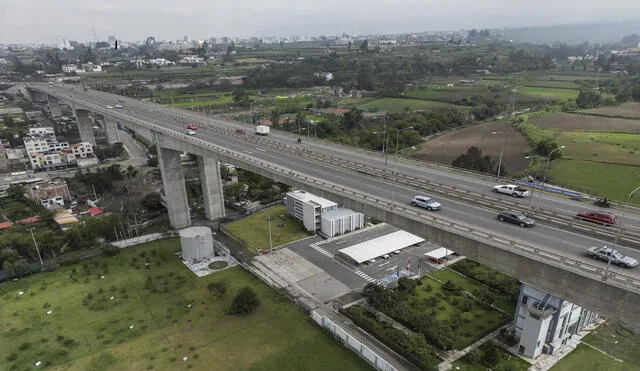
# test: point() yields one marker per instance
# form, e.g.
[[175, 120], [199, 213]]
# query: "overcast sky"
[[51, 21]]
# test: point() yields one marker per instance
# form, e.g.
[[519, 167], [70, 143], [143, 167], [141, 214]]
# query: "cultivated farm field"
[[445, 148], [631, 110], [567, 121]]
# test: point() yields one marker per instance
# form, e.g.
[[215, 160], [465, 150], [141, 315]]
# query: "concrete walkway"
[[448, 357]]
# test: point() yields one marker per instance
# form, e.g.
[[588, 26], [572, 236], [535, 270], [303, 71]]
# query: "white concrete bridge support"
[[84, 126], [174, 188], [211, 183], [113, 135], [54, 106]]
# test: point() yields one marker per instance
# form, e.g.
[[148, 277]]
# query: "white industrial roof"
[[308, 197], [439, 253], [379, 246]]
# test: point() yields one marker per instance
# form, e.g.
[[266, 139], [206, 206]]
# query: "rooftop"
[[308, 197], [338, 213]]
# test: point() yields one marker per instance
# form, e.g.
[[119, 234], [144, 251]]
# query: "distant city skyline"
[[31, 21]]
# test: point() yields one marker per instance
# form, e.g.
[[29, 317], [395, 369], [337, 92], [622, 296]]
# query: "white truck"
[[262, 130], [512, 190]]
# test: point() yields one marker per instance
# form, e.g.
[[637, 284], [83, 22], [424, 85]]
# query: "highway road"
[[564, 242], [478, 182]]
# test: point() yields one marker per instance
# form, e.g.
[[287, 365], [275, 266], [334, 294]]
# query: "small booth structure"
[[440, 256]]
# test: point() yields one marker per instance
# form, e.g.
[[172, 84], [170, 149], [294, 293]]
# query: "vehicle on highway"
[[262, 130], [239, 131], [605, 253], [118, 105], [192, 127], [516, 217], [426, 202], [602, 202], [599, 217], [512, 190], [109, 106], [191, 132]]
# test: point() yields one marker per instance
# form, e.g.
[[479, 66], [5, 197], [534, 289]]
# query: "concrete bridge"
[[543, 265]]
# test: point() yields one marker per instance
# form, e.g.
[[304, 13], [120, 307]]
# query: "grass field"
[[567, 121], [630, 110], [157, 316], [551, 93], [610, 180], [617, 341], [254, 229], [584, 358], [479, 319], [395, 105], [507, 362], [617, 148]]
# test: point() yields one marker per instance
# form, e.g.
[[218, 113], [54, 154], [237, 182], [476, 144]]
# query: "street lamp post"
[[36, 245], [615, 240], [546, 168], [533, 187], [395, 173], [270, 241], [501, 151], [385, 145]]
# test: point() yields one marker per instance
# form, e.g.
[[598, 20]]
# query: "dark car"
[[239, 131], [516, 217], [597, 217]]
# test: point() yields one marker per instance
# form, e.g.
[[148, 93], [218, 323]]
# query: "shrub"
[[110, 250], [12, 357], [245, 301], [24, 346], [491, 356]]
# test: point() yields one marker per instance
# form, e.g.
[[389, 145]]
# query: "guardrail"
[[580, 266], [630, 236]]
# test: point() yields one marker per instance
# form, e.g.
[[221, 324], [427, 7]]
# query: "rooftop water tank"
[[196, 243]]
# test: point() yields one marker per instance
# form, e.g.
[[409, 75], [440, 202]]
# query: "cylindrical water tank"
[[196, 243]]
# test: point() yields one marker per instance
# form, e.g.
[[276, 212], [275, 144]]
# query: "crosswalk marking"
[[365, 276], [321, 250]]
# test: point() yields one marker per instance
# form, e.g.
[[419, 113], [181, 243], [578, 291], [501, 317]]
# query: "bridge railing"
[[627, 281]]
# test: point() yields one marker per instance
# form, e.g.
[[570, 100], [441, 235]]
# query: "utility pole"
[[36, 245]]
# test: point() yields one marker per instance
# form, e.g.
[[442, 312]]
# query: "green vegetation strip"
[[160, 313]]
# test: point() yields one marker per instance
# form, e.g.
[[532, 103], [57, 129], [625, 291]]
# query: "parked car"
[[239, 131], [599, 217], [191, 132], [512, 190], [192, 127], [109, 106], [426, 202], [516, 217], [617, 258]]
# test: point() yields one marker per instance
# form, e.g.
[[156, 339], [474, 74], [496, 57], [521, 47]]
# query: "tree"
[[635, 93], [474, 160], [245, 301], [546, 146], [589, 99], [491, 356], [217, 289], [153, 162], [364, 47], [241, 96], [151, 201]]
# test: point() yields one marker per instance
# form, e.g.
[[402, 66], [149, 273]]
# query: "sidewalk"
[[451, 356]]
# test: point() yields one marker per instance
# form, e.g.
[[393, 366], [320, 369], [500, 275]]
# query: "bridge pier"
[[113, 136], [54, 106], [84, 126], [211, 183], [174, 187]]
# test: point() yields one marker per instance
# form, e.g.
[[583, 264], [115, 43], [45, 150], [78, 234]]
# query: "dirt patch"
[[631, 109], [445, 148], [567, 121]]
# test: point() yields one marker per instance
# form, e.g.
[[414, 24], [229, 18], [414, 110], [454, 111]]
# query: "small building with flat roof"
[[308, 208], [340, 221]]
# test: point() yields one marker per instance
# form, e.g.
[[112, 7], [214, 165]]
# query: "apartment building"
[[545, 322]]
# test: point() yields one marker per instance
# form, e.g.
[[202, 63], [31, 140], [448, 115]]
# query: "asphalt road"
[[564, 242]]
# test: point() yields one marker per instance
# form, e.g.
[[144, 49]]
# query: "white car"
[[118, 106], [191, 132], [109, 106], [512, 190], [426, 202]]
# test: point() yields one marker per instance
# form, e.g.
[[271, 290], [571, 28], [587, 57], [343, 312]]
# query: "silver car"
[[605, 253], [426, 202]]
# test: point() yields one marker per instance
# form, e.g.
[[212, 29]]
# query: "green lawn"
[[502, 301], [396, 105], [507, 361], [610, 180], [432, 299], [616, 340], [617, 148], [552, 93], [92, 332], [584, 358], [254, 229]]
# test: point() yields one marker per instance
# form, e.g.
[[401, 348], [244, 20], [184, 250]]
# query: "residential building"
[[33, 114], [82, 149], [45, 130], [544, 322], [51, 158], [308, 208], [69, 68], [340, 221], [51, 194]]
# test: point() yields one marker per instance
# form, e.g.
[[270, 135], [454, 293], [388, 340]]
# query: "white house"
[[308, 208], [545, 322]]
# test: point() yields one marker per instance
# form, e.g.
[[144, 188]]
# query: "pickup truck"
[[512, 190]]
